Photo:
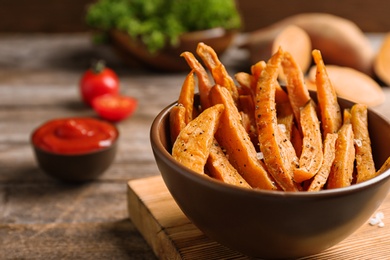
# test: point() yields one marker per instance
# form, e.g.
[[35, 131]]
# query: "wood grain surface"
[[41, 218]]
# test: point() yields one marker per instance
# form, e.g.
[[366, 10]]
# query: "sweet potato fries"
[[259, 135]]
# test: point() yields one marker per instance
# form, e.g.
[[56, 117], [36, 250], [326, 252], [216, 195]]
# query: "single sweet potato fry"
[[295, 84], [217, 69], [311, 157], [219, 167], [177, 121], [204, 83], [321, 177], [364, 161], [192, 146], [275, 146], [257, 68], [280, 95], [186, 97], [232, 136], [343, 165], [285, 113], [283, 106], [327, 99], [246, 81]]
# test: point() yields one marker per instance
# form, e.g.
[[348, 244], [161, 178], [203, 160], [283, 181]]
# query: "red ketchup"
[[74, 135]]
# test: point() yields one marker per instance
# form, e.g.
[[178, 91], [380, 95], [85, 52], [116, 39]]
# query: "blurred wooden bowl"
[[168, 59]]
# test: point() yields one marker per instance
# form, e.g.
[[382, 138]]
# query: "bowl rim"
[[103, 149], [204, 180]]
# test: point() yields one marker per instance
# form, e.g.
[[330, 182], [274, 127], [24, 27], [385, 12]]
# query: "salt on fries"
[[260, 135]]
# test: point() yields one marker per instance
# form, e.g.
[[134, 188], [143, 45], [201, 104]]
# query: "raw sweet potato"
[[232, 136], [279, 154], [352, 84], [192, 146], [340, 40], [382, 61], [262, 43]]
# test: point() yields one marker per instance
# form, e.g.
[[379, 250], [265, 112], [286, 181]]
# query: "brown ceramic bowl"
[[169, 59], [79, 167], [273, 224]]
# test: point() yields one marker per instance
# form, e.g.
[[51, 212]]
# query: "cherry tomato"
[[114, 108], [97, 81]]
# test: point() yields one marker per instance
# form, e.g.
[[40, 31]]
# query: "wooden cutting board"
[[172, 236]]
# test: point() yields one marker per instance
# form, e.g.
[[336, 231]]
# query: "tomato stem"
[[98, 66]]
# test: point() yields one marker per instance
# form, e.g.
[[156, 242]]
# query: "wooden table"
[[41, 218]]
